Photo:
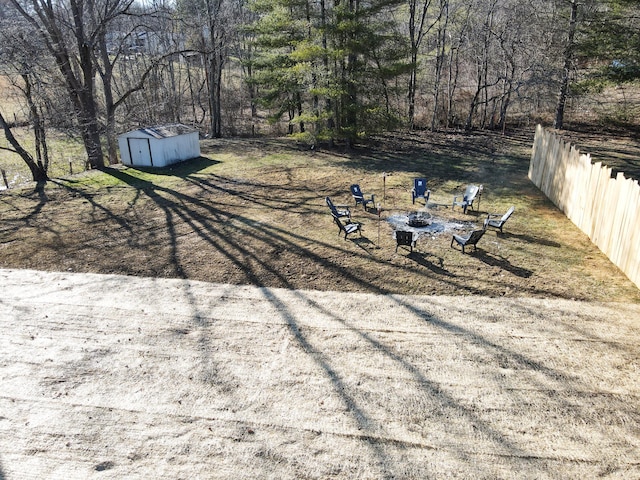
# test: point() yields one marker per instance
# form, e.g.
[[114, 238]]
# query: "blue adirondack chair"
[[360, 198], [347, 228], [341, 212], [420, 190]]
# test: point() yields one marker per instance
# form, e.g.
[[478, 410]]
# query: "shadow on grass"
[[529, 239], [465, 157], [226, 231], [251, 249], [502, 263], [436, 267], [180, 169], [39, 190]]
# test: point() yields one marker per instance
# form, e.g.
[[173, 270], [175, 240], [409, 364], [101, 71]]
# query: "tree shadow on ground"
[[529, 239], [464, 156], [502, 263], [538, 375], [267, 224], [171, 231], [239, 238], [39, 191], [364, 243], [180, 169], [436, 266], [227, 230]]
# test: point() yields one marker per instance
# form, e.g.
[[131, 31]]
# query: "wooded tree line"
[[323, 70]]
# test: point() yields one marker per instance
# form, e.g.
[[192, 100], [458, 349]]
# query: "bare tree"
[[211, 23], [419, 26], [38, 172], [568, 59], [441, 44], [67, 35], [22, 64], [458, 39], [124, 63]]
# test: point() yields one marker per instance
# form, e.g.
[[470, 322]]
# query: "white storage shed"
[[159, 146]]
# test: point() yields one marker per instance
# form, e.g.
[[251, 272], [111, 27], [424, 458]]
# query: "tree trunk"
[[417, 32], [440, 53], [329, 104], [218, 94], [214, 75], [90, 131], [215, 65], [474, 101], [42, 152], [38, 173], [454, 68], [568, 57]]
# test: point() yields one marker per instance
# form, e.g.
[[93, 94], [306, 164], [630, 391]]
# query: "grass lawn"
[[253, 212]]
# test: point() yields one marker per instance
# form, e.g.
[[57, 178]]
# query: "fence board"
[[595, 171], [606, 209], [626, 199], [634, 235], [573, 176], [617, 207], [603, 206], [582, 192]]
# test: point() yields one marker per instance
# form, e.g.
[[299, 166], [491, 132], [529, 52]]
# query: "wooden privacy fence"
[[606, 209]]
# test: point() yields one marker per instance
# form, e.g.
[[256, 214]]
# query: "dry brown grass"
[[253, 212]]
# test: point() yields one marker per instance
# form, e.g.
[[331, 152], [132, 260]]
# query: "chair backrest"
[[331, 206], [506, 216], [470, 193], [420, 186], [404, 237], [356, 192], [475, 236]]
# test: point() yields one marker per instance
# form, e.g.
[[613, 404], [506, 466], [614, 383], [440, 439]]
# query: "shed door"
[[140, 151]]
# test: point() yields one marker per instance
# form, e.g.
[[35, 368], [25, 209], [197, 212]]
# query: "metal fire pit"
[[419, 219]]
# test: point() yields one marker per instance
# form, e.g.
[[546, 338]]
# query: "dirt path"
[[106, 376]]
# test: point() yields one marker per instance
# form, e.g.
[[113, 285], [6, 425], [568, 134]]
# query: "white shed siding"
[[158, 146], [140, 149]]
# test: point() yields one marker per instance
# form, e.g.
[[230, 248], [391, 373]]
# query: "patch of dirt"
[[253, 212], [105, 376]]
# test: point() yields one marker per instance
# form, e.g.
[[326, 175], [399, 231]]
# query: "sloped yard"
[[253, 212]]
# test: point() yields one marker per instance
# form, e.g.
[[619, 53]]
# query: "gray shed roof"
[[166, 131]]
